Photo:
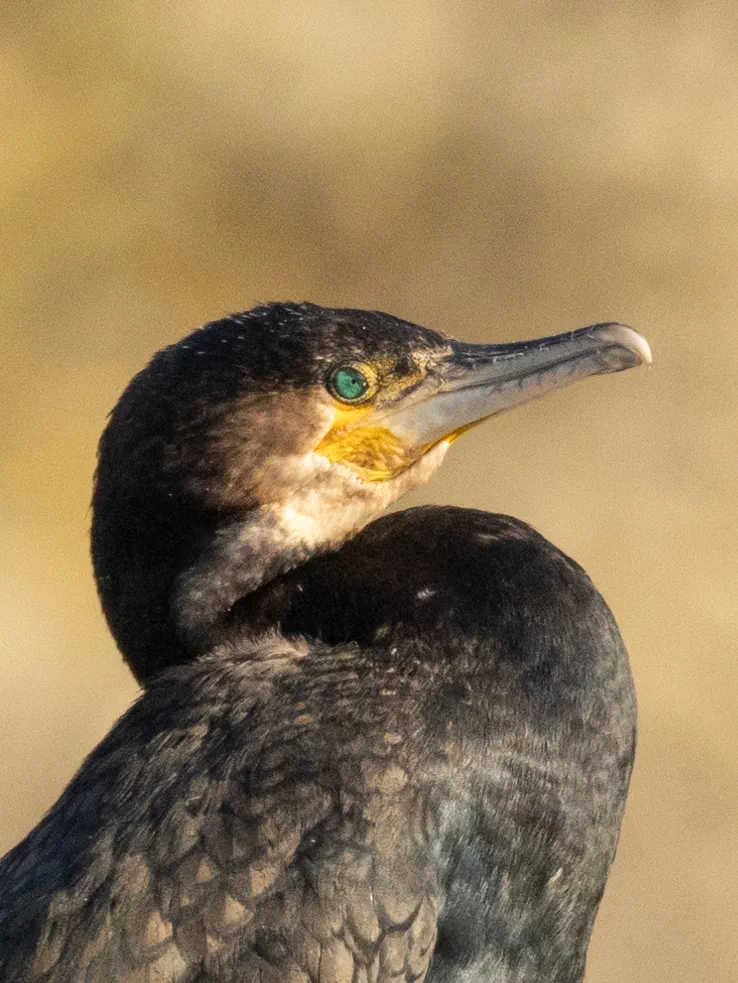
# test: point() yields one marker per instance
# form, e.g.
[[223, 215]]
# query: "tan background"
[[498, 170]]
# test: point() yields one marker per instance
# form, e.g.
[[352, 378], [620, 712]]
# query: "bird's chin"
[[338, 502], [425, 466]]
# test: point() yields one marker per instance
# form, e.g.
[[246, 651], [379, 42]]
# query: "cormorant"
[[366, 750]]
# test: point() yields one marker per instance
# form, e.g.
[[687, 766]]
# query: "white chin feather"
[[335, 503]]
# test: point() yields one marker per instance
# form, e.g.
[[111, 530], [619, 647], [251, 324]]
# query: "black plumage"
[[396, 749]]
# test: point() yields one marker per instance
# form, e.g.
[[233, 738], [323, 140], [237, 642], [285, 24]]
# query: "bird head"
[[274, 434]]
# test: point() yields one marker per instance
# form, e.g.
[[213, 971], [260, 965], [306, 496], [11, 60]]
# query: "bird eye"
[[348, 383]]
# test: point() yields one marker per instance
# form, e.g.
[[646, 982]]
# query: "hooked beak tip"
[[625, 337]]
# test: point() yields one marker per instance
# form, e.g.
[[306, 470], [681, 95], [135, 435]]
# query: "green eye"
[[348, 383]]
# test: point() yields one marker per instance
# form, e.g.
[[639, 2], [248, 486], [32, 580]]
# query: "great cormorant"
[[366, 750]]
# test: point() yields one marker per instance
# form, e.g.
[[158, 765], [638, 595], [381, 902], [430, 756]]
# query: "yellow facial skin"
[[371, 449], [374, 452]]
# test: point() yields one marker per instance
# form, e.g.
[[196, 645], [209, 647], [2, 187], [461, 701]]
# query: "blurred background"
[[495, 170]]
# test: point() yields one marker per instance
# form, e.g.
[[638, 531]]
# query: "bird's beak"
[[478, 381]]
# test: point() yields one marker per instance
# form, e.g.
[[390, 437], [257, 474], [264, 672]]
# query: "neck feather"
[[168, 575]]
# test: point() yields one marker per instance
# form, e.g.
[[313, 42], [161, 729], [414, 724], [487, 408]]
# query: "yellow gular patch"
[[374, 452]]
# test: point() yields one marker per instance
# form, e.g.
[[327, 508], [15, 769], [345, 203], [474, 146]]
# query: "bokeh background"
[[497, 170]]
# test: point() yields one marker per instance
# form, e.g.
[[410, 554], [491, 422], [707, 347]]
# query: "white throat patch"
[[336, 502]]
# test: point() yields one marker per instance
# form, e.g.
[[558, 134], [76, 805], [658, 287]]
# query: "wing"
[[218, 836]]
